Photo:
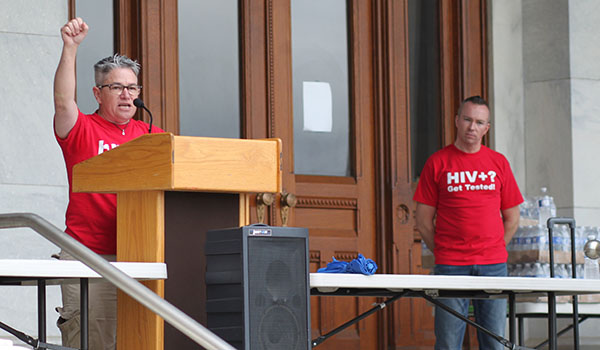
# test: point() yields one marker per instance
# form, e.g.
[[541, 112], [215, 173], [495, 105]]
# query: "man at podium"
[[91, 217]]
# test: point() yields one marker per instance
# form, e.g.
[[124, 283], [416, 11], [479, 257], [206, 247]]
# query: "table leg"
[[552, 338], [380, 306], [575, 322], [41, 310], [521, 331], [83, 312], [511, 318]]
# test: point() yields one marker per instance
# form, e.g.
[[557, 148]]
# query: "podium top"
[[183, 163]]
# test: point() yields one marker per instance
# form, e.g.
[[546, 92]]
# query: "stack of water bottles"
[[529, 251]]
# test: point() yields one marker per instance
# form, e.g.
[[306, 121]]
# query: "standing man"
[[471, 192], [91, 217]]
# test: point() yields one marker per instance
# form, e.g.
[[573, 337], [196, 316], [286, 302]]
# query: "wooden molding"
[[158, 55], [346, 256], [314, 257], [330, 203], [451, 78]]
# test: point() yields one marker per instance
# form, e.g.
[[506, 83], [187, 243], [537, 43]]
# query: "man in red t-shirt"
[[467, 212], [91, 217]]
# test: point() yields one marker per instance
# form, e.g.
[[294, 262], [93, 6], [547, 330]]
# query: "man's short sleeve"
[[74, 133], [511, 195]]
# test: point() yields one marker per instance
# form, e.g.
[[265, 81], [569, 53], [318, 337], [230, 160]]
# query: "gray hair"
[[107, 64]]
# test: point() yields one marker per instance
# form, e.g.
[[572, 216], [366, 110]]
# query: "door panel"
[[321, 84], [209, 79]]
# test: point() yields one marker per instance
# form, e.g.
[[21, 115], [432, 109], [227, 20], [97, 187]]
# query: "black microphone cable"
[[140, 104]]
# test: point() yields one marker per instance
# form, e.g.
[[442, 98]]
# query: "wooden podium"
[[170, 191]]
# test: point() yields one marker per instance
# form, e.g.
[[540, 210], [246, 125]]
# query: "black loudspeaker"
[[257, 287]]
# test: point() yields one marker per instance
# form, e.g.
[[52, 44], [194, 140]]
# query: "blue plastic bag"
[[335, 266], [358, 265], [362, 265]]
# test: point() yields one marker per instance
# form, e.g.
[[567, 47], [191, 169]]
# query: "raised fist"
[[74, 31]]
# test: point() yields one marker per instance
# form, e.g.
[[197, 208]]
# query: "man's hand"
[[65, 108], [74, 32]]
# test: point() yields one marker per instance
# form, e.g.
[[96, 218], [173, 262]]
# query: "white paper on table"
[[317, 103]]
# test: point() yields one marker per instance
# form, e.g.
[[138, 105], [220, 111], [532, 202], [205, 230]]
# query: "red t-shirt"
[[469, 190], [91, 217]]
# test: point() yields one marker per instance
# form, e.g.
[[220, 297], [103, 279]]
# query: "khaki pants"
[[102, 301]]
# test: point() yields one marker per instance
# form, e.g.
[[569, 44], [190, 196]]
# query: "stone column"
[[562, 122]]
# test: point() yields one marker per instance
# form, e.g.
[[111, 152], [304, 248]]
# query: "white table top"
[[330, 282], [67, 269]]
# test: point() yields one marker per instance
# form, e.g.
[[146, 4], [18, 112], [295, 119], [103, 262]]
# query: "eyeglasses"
[[479, 123], [117, 89]]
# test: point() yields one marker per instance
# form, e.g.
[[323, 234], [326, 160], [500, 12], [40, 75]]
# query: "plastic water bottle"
[[527, 270], [546, 207], [538, 271], [565, 233], [528, 209], [561, 271], [591, 270], [546, 269], [565, 237], [523, 242], [569, 270], [580, 234], [552, 207], [515, 246], [517, 270], [542, 233]]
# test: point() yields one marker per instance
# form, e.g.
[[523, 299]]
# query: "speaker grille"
[[277, 292]]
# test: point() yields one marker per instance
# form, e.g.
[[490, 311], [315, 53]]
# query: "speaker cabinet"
[[257, 287]]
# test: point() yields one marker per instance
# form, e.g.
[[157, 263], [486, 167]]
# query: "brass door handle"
[[288, 200], [262, 201]]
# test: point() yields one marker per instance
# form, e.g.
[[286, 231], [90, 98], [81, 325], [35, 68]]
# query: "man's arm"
[[510, 218], [425, 215], [65, 108]]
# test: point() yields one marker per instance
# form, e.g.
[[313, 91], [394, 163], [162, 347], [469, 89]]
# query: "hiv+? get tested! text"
[[465, 181]]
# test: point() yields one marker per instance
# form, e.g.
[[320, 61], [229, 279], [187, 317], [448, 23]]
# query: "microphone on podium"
[[140, 104]]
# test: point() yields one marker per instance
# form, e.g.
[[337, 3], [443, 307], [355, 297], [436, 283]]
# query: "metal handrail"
[[133, 288]]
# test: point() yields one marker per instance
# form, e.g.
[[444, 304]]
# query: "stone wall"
[[32, 175]]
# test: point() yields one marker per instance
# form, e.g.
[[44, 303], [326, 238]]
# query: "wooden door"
[[369, 211], [338, 210]]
